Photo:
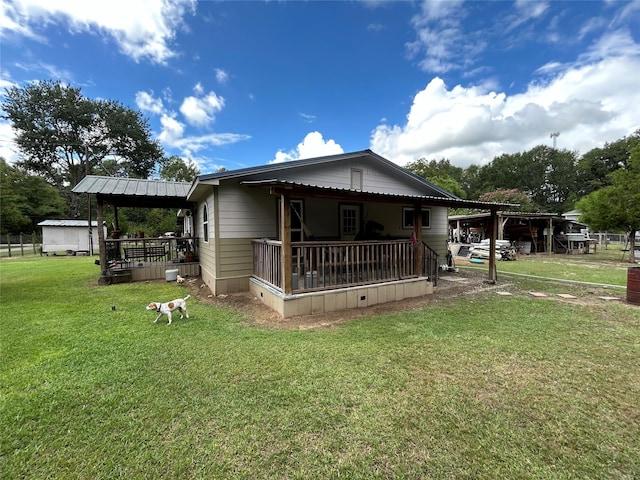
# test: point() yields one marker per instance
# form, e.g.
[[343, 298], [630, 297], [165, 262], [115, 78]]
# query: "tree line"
[[62, 136]]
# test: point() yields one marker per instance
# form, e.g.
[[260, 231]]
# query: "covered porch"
[[319, 275], [139, 258]]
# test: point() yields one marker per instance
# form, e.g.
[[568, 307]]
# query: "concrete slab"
[[566, 295], [504, 294], [538, 294]]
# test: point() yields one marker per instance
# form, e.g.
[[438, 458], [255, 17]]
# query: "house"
[[323, 234], [71, 236], [306, 236]]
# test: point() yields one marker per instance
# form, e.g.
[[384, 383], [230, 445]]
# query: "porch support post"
[[417, 228], [493, 272], [103, 280], [502, 222], [285, 235], [550, 237]]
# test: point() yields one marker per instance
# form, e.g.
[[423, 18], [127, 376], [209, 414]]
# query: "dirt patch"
[[254, 312]]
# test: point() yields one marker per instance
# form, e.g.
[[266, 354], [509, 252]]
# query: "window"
[[407, 217], [349, 221], [205, 223], [356, 179]]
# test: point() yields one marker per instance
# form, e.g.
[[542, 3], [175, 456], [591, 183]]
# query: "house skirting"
[[338, 299]]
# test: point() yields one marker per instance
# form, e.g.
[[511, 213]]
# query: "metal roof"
[[448, 201], [274, 168], [132, 187], [67, 223]]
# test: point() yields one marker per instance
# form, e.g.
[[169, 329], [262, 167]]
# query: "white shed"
[[71, 236]]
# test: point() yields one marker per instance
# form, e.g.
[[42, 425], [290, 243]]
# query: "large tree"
[[25, 200], [616, 206], [176, 169], [547, 175], [63, 135], [440, 173], [595, 165]]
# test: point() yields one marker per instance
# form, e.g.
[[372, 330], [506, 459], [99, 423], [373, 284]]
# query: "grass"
[[478, 387]]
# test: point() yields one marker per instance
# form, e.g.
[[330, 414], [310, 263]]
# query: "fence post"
[[21, 246], [9, 243]]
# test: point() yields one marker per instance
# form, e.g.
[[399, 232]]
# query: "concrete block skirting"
[[339, 299]]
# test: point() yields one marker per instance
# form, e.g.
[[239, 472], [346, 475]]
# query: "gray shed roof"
[[67, 223]]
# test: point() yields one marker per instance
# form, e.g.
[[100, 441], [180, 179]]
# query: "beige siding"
[[246, 212]]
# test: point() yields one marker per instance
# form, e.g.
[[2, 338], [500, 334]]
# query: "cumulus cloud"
[[145, 32], [471, 125], [147, 103], [312, 146], [200, 111]]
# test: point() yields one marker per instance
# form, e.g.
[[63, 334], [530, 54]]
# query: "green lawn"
[[480, 387]]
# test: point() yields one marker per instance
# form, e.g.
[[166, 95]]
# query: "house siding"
[[375, 178]]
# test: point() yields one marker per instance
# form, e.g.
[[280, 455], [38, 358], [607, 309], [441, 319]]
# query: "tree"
[[176, 169], [546, 175], [440, 173], [25, 200], [509, 196], [595, 165], [63, 136], [616, 206]]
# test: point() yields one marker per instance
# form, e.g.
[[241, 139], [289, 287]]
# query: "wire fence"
[[20, 245]]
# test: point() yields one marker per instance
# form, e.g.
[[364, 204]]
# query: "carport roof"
[[135, 192]]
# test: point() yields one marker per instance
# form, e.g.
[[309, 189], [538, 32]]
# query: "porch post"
[[550, 237], [103, 280], [493, 273], [417, 229], [285, 235]]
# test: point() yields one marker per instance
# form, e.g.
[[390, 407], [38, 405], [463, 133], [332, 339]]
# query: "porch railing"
[[134, 251], [431, 263], [326, 265]]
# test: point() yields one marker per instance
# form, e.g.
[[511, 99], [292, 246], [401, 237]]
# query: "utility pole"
[[554, 136]]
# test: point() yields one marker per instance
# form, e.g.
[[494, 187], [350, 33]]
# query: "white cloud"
[[312, 146], [143, 29], [147, 103], [172, 130], [221, 76], [588, 104], [201, 110]]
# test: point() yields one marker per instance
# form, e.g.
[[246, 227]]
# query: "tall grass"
[[479, 387]]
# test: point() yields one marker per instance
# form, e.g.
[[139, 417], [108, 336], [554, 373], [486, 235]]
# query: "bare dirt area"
[[254, 312]]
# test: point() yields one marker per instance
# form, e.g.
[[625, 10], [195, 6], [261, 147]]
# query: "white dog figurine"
[[168, 307]]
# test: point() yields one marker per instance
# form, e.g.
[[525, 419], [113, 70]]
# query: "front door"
[[349, 221]]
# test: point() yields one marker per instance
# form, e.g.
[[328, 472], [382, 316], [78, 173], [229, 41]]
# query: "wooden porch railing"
[[160, 249], [327, 265], [431, 263]]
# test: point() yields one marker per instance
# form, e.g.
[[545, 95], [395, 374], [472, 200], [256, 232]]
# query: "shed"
[[71, 236]]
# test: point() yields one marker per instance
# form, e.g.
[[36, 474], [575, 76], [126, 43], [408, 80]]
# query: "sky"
[[236, 84]]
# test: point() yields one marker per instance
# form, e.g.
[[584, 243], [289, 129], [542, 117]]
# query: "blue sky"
[[237, 84]]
